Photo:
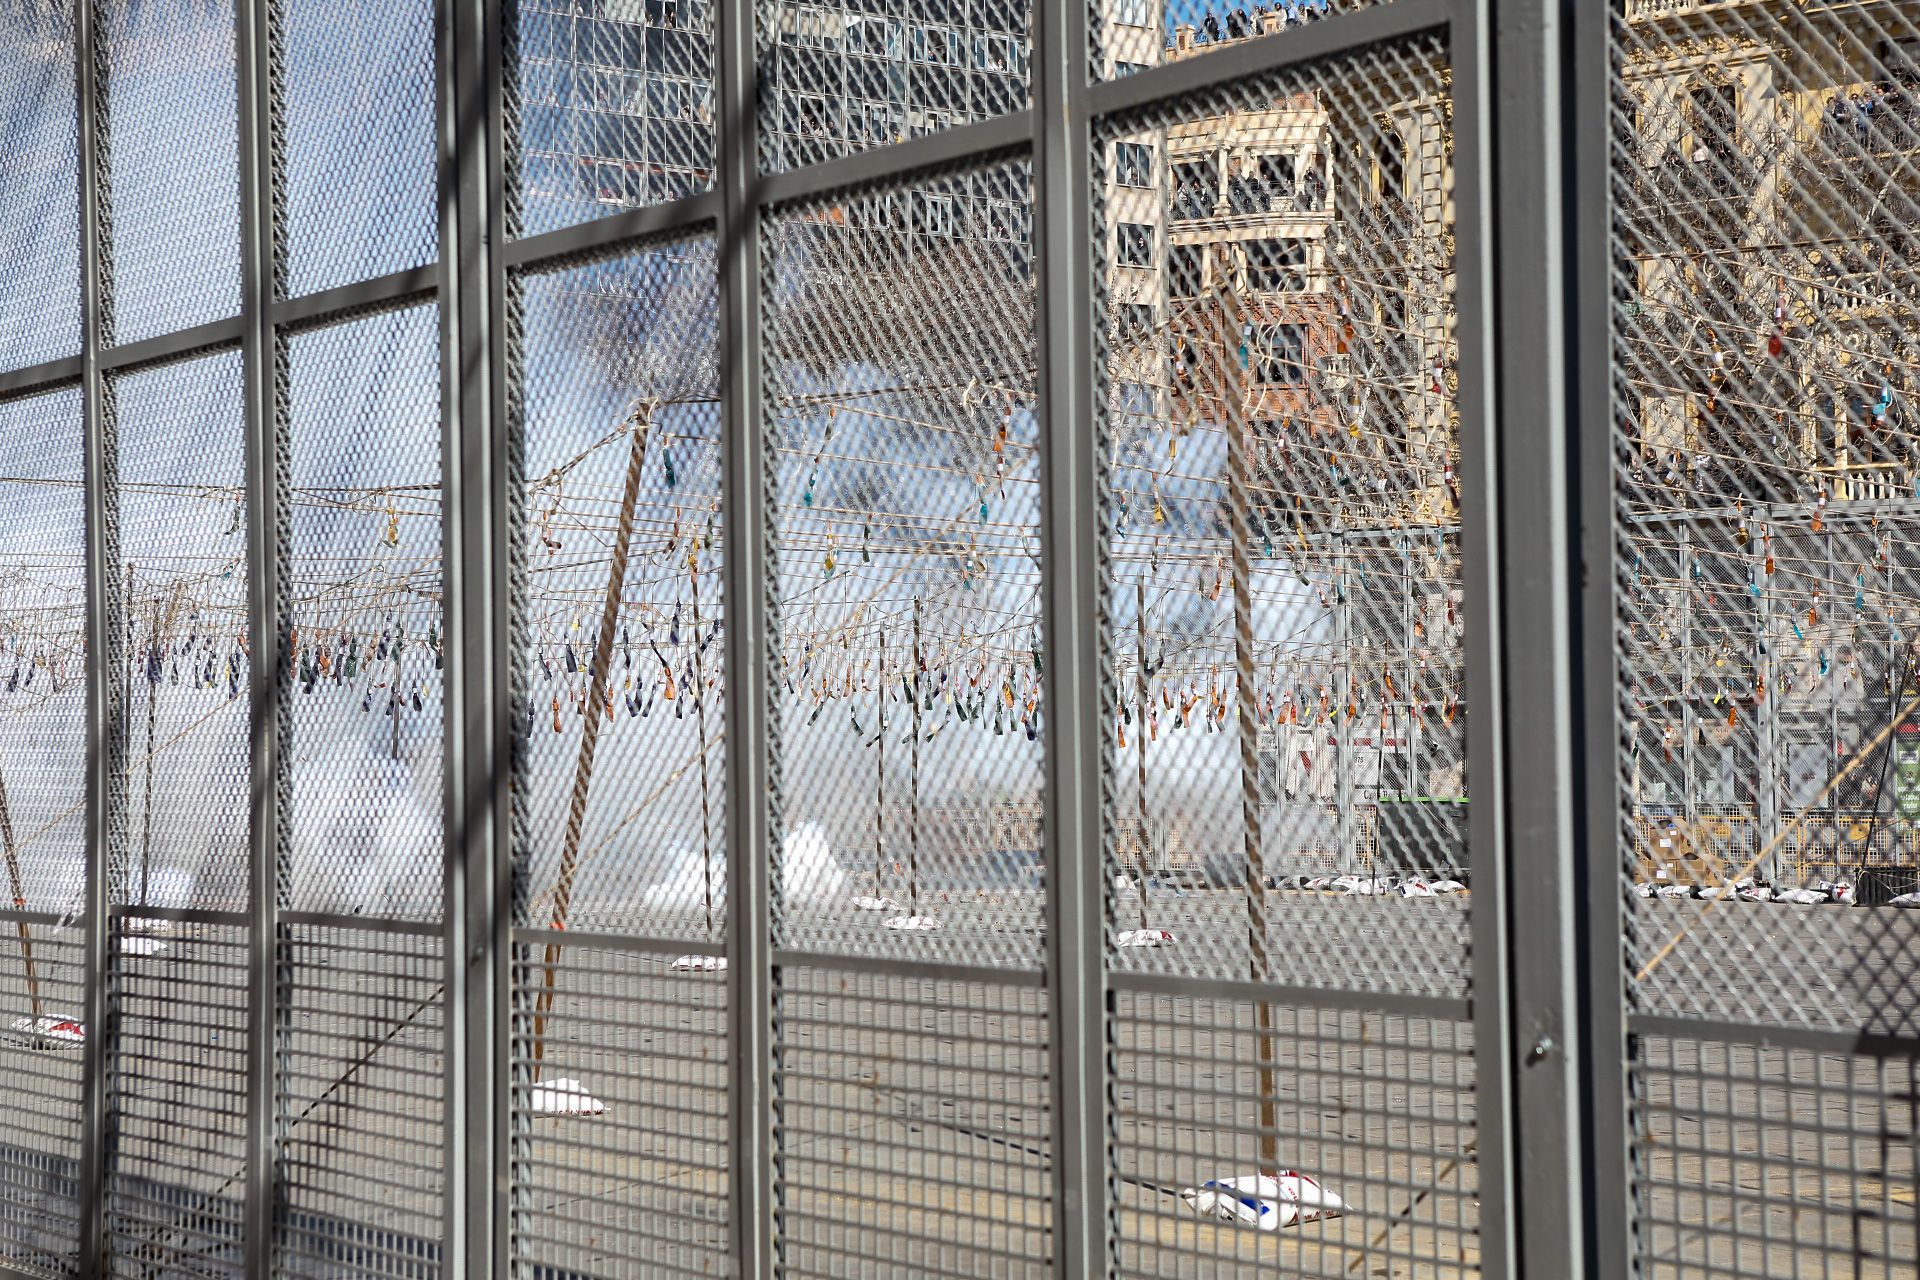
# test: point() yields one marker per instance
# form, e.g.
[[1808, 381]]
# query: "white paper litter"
[[867, 902], [919, 924], [1800, 897], [1143, 938], [1757, 893], [48, 1031], [1416, 889], [699, 964], [565, 1098], [1905, 900], [1267, 1203], [1447, 886], [1674, 891]]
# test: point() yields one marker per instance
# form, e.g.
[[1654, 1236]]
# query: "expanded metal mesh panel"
[[1301, 717], [183, 587], [362, 401], [40, 976], [1762, 1161], [610, 106], [641, 1187], [362, 1105], [172, 145], [42, 652], [359, 143], [912, 1126], [176, 1187], [40, 205], [905, 476], [625, 797], [1376, 1108], [1133, 35], [841, 77]]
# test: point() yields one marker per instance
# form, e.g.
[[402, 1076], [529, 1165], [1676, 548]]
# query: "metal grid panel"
[[41, 974], [43, 743], [40, 207], [363, 426], [609, 107], [840, 77], [1132, 36], [1377, 1108], [1316, 330], [911, 1126], [362, 1106], [172, 147], [643, 1188], [902, 441], [1763, 1161], [358, 102], [183, 586], [178, 1057], [625, 798]]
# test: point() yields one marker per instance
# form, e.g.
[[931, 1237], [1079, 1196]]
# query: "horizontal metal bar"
[[695, 213], [963, 144], [40, 377], [180, 915], [900, 967], [172, 346], [1234, 63], [49, 918], [371, 924], [1847, 513], [1813, 1039], [413, 285], [1437, 1008], [637, 943]]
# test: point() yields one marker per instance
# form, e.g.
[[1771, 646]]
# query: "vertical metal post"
[[1689, 728], [1342, 719], [106, 773], [1078, 692], [1409, 671], [917, 663], [751, 653], [260, 274], [475, 689], [1141, 695], [1766, 770], [1522, 462]]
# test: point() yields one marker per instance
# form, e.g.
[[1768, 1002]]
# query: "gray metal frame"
[[1536, 533]]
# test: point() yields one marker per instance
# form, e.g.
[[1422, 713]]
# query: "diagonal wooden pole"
[[700, 715], [590, 732], [19, 902]]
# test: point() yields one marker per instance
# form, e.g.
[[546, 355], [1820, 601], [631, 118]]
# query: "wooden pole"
[[19, 901], [1234, 394], [1140, 737], [590, 732], [154, 657]]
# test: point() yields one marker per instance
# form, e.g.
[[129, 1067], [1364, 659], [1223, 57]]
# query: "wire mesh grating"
[[40, 208]]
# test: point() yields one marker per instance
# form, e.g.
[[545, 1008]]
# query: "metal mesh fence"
[[676, 637]]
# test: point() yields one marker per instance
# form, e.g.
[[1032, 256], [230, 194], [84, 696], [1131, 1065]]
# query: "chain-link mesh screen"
[[183, 586], [840, 77], [358, 102], [1130, 36], [610, 106], [363, 424], [1765, 477], [172, 210], [41, 976], [1288, 719], [620, 1054], [900, 388], [40, 204]]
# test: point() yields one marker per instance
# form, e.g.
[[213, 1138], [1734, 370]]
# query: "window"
[[937, 46], [1276, 175], [1004, 220], [1393, 165], [1133, 164], [874, 37], [875, 213], [1186, 270], [1133, 13], [1133, 244], [1128, 68], [930, 122], [1196, 189], [1280, 354], [933, 215], [668, 99], [1276, 266], [811, 27], [1133, 319]]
